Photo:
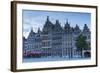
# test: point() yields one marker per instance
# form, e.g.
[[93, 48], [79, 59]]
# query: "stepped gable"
[[67, 27], [31, 34], [57, 26], [38, 33], [48, 25], [77, 29], [86, 29]]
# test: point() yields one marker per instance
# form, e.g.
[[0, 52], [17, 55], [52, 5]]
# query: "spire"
[[31, 29], [48, 21], [85, 28], [67, 21], [39, 30], [67, 25], [57, 22], [47, 18]]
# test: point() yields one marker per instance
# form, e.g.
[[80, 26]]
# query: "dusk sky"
[[36, 19]]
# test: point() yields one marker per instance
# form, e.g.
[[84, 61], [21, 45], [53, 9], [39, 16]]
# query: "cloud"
[[25, 34], [29, 23], [36, 19], [26, 26]]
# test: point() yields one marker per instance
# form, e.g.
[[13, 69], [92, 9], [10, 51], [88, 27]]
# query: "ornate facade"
[[54, 40]]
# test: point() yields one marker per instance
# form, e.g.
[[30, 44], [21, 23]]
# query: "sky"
[[32, 19]]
